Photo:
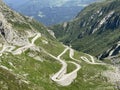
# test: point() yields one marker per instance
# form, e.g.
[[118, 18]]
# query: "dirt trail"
[[24, 48], [61, 77], [91, 61], [6, 48]]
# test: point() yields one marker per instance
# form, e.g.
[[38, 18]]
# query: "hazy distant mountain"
[[49, 11]]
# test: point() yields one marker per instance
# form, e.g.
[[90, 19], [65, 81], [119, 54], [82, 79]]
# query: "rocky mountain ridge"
[[94, 30]]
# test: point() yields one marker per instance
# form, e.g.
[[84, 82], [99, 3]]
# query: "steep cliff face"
[[94, 30], [9, 35], [16, 29], [112, 52]]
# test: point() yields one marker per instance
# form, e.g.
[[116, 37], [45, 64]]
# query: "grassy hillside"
[[36, 74], [30, 57]]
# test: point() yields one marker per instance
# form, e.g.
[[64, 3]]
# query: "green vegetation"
[[89, 76], [24, 72], [42, 29], [9, 81], [38, 73], [86, 34], [71, 67], [20, 26], [53, 47]]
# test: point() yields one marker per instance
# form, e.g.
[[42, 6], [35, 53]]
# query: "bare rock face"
[[113, 51], [2, 29], [5, 29], [10, 35]]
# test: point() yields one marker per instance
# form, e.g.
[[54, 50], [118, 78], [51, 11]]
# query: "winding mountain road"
[[64, 79], [91, 61], [61, 77], [20, 50], [24, 48], [71, 54], [6, 48], [38, 35]]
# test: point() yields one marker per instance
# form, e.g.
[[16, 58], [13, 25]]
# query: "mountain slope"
[[94, 30], [31, 59]]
